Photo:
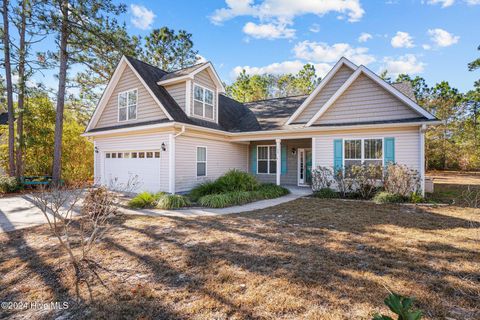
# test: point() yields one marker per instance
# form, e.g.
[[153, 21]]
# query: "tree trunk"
[[21, 90], [8, 77], [62, 76]]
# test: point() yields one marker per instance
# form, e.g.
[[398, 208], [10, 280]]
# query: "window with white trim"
[[203, 102], [127, 105], [363, 151], [201, 161], [266, 159]]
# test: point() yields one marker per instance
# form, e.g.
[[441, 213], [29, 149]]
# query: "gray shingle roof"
[[273, 113], [405, 88], [182, 72]]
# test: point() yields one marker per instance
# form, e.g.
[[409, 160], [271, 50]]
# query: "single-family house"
[[174, 130]]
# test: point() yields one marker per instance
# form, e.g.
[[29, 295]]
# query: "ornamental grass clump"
[[172, 201], [145, 200]]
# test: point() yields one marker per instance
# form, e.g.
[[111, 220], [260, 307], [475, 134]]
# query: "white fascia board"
[[343, 61], [130, 129]]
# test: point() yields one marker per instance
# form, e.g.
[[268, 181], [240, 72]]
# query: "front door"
[[304, 166]]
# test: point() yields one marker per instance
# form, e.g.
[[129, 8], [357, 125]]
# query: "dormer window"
[[203, 102], [127, 105]]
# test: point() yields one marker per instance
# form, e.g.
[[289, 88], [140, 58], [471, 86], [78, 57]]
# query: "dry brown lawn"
[[307, 259]]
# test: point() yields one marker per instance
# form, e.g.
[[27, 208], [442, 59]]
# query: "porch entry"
[[304, 169]]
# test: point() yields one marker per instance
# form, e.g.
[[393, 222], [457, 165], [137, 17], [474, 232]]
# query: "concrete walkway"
[[20, 212]]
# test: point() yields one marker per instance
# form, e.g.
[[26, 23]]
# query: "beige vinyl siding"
[[366, 100], [407, 144], [330, 88], [204, 79], [221, 157], [178, 93], [133, 142], [147, 108], [291, 176]]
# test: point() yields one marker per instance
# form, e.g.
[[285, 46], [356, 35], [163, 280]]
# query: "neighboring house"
[[176, 130]]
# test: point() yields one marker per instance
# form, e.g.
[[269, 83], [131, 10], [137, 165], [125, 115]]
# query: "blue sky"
[[431, 38]]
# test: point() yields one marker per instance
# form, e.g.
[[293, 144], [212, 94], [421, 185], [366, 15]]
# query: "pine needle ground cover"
[[306, 259]]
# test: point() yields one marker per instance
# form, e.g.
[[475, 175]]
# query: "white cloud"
[[322, 52], [426, 46], [402, 40], [364, 37], [142, 17], [473, 2], [281, 67], [442, 38], [444, 3], [285, 11], [404, 64], [268, 31], [315, 28]]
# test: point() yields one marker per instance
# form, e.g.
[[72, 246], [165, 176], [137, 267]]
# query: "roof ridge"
[[277, 98], [146, 63], [193, 65]]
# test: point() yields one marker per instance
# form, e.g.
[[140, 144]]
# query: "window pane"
[[122, 100], [132, 97], [373, 148], [273, 166], [157, 154], [208, 111], [208, 96], [262, 166], [198, 108], [134, 154], [373, 162], [114, 155], [149, 154], [201, 169], [198, 93], [122, 114], [108, 155], [353, 149], [273, 153], [262, 153], [126, 154], [201, 154], [132, 112], [349, 163], [141, 154], [120, 155]]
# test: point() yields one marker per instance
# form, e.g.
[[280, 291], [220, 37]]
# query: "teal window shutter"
[[284, 160], [389, 150], [253, 159], [337, 154]]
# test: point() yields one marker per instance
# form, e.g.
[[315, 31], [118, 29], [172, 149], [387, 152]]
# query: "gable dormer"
[[196, 90]]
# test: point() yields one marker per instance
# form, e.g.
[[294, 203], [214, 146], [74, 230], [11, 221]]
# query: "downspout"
[[422, 131]]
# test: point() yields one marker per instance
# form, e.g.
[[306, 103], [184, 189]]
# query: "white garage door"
[[122, 167]]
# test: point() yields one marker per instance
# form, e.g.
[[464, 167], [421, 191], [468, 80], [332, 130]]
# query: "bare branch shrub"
[[322, 177], [79, 228], [365, 179], [400, 179], [471, 197], [344, 184]]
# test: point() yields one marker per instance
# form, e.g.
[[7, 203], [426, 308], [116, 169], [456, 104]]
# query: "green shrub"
[[236, 180], [145, 200], [401, 306], [326, 193], [387, 197], [172, 201], [416, 198], [206, 188], [271, 191], [9, 184], [228, 199]]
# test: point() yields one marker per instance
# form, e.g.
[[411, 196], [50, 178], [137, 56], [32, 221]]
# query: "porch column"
[[279, 159], [171, 163]]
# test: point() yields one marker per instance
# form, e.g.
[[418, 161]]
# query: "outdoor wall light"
[[164, 146], [294, 151], [96, 149]]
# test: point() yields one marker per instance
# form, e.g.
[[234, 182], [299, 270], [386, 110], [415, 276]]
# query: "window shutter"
[[337, 155], [284, 160], [253, 159], [389, 151]]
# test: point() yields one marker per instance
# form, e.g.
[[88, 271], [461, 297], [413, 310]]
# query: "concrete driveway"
[[20, 212]]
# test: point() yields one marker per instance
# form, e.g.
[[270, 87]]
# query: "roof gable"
[[107, 94], [340, 66], [362, 70]]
